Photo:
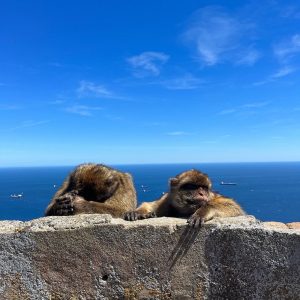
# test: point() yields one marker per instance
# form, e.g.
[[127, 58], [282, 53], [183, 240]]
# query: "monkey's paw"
[[64, 205], [195, 221], [134, 215]]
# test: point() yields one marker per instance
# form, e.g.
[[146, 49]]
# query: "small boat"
[[227, 183], [144, 188], [16, 195]]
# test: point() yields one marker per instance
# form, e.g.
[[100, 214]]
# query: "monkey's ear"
[[173, 181]]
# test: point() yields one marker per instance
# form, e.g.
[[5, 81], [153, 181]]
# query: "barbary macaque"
[[94, 188], [190, 196]]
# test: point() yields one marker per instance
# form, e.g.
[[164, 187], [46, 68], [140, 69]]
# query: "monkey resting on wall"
[[94, 188], [191, 197]]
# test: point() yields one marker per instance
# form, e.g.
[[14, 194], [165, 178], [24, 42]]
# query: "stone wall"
[[97, 257]]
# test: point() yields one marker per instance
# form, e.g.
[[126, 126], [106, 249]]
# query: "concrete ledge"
[[97, 257]]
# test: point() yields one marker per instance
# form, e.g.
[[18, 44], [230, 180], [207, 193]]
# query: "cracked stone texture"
[[98, 257]]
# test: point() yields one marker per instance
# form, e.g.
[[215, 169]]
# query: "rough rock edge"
[[91, 220]]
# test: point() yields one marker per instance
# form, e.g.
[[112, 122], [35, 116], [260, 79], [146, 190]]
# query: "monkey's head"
[[189, 191], [97, 182]]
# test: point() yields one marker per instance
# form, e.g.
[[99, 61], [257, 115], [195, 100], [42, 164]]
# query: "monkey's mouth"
[[194, 202], [103, 197]]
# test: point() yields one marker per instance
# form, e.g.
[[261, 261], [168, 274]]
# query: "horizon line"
[[148, 164]]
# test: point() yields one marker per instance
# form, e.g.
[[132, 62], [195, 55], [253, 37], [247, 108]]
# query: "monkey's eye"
[[189, 186], [108, 182]]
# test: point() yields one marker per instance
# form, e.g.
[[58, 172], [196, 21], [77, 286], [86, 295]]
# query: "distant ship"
[[227, 183], [16, 195]]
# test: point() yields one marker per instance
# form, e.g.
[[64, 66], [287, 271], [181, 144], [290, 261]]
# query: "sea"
[[269, 191]]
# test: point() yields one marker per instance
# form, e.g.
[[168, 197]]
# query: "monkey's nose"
[[199, 197]]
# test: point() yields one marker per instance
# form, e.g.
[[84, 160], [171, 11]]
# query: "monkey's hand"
[[135, 215], [64, 205], [197, 219]]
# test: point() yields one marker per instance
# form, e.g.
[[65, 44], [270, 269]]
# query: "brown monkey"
[[191, 197], [94, 188]]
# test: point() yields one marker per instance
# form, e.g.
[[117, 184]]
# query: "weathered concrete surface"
[[97, 257]]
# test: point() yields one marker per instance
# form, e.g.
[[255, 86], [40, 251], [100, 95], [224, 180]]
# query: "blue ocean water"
[[269, 191]]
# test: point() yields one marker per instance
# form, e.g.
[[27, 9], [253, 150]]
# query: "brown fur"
[[94, 188], [191, 197]]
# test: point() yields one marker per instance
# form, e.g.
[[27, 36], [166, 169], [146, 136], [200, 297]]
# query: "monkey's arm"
[[61, 204], [63, 189], [147, 210], [61, 201], [71, 204], [217, 207], [82, 206]]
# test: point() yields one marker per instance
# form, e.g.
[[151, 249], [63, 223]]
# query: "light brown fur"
[[191, 197], [94, 188]]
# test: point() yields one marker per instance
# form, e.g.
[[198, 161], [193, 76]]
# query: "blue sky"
[[149, 81]]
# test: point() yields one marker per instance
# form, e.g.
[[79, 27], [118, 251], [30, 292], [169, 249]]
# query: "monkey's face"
[[98, 184], [189, 191], [105, 188]]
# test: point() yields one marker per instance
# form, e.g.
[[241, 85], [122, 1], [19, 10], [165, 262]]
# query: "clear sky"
[[149, 81]]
